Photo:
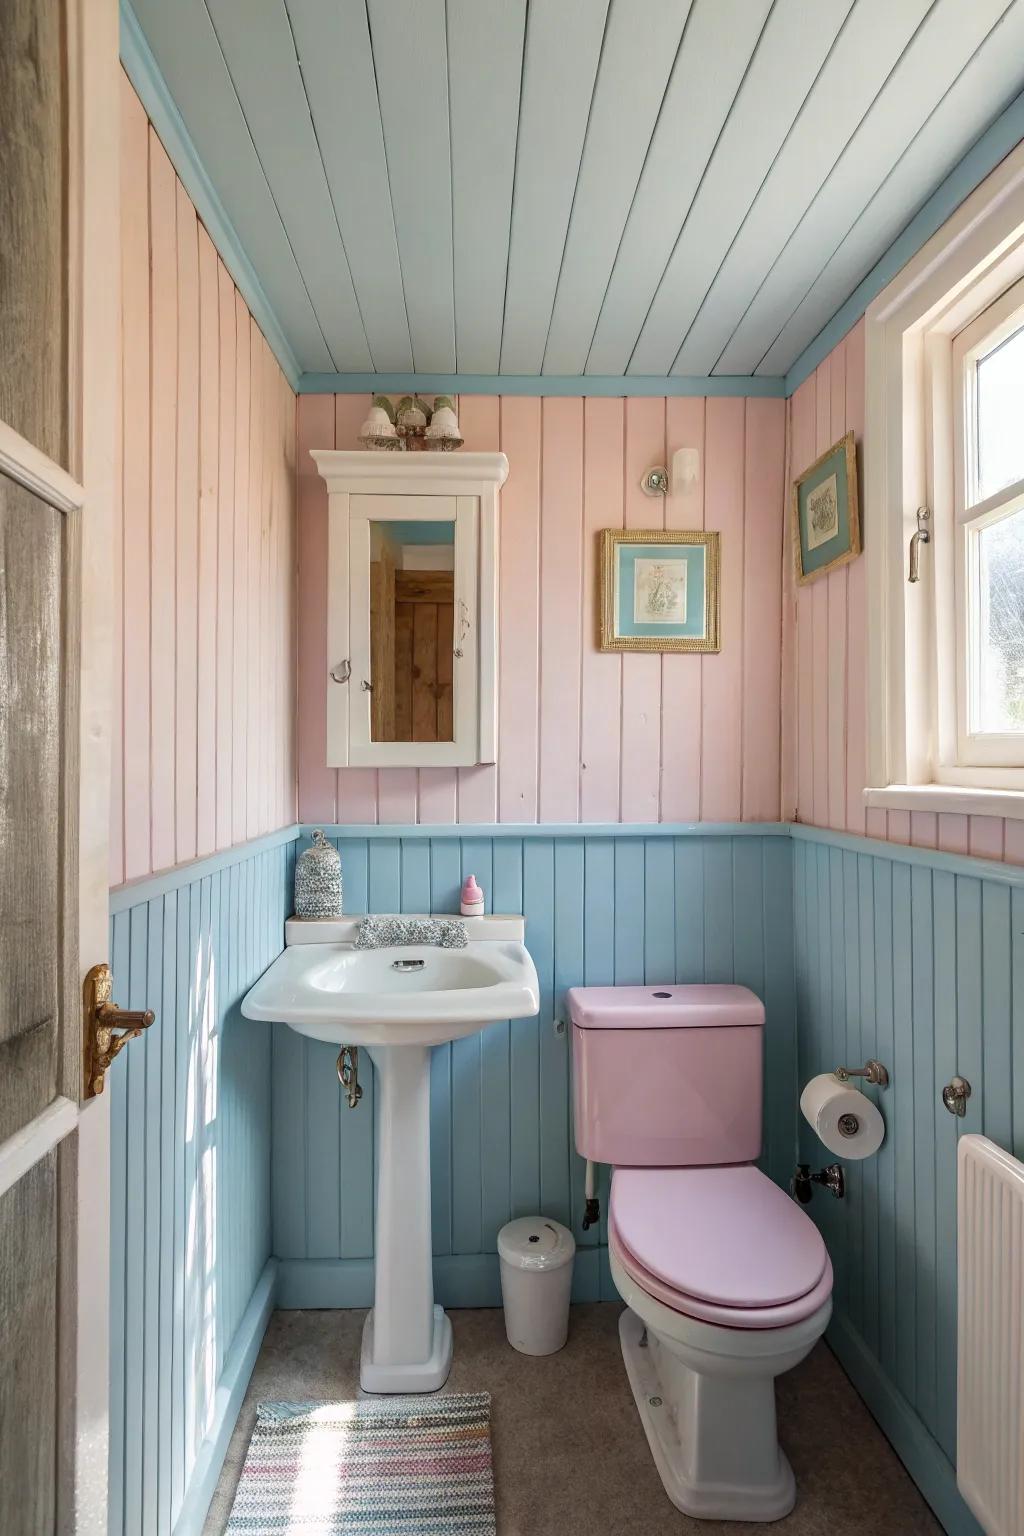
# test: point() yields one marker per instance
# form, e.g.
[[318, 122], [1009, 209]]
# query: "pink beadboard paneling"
[[187, 532], [225, 556], [722, 694], [164, 401], [480, 424], [1013, 842], [357, 787], [209, 401], [240, 572], [856, 603], [762, 609], [317, 782], [561, 608], [640, 797], [254, 626], [136, 482], [601, 671], [924, 830], [836, 589], [204, 720], [519, 615], [827, 726], [681, 687], [985, 837], [899, 826], [952, 832], [819, 616], [585, 734], [803, 450], [877, 824]]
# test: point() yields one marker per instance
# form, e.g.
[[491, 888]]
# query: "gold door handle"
[[107, 1027]]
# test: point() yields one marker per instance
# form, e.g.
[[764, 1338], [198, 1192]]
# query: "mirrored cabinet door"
[[410, 669], [412, 573]]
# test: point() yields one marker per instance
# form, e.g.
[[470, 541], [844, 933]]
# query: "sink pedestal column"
[[407, 1340]]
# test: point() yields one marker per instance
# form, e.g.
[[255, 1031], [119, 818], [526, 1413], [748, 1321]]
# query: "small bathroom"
[[511, 752]]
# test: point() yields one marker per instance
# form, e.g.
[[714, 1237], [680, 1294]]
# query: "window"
[[988, 493], [945, 431]]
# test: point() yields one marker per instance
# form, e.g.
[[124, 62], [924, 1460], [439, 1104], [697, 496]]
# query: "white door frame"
[[84, 493]]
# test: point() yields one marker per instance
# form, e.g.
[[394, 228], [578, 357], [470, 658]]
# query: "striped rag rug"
[[415, 1465]]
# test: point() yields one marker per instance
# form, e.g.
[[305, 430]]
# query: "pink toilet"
[[726, 1281]]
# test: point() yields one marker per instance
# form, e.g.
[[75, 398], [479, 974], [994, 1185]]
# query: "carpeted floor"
[[570, 1456]]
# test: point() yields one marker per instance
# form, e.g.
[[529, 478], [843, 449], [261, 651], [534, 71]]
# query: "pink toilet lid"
[[726, 1235]]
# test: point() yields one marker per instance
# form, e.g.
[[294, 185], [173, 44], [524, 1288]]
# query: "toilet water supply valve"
[[830, 1177], [348, 1074]]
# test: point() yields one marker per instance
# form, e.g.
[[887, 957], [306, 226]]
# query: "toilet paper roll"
[[825, 1102]]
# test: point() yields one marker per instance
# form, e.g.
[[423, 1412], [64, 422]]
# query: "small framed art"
[[826, 518], [659, 590]]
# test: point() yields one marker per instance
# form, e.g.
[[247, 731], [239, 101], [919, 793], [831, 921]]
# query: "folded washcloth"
[[380, 932]]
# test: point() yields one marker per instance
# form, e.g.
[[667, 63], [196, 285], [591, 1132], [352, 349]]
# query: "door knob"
[[108, 1028]]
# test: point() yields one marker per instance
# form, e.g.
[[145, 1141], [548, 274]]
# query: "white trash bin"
[[536, 1277]]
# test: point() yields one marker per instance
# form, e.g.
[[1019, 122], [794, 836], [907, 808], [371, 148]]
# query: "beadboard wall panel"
[[599, 910], [190, 1173], [824, 701], [203, 564], [584, 735], [921, 965]]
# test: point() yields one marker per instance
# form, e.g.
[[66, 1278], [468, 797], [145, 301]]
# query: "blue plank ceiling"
[[574, 188]]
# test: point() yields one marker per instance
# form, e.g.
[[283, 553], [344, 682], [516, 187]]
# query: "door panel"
[[33, 254], [31, 534], [58, 392], [28, 1350]]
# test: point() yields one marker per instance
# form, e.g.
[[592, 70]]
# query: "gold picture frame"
[[833, 476], [680, 594]]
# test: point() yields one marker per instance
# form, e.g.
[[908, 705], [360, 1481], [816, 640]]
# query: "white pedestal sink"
[[396, 1003]]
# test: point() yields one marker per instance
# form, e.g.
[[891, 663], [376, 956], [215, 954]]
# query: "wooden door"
[[56, 463]]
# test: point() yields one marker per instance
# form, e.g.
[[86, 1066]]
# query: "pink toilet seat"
[[721, 1244]]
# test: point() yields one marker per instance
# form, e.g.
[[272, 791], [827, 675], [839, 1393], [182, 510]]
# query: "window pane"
[[1000, 704], [1001, 416]]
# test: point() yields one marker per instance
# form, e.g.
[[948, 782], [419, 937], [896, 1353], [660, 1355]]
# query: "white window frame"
[[972, 514], [914, 757]]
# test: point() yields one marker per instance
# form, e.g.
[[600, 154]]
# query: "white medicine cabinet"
[[412, 607]]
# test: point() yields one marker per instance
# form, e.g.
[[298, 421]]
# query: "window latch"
[[922, 536]]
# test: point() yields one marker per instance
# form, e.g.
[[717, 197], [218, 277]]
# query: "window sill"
[[954, 799]]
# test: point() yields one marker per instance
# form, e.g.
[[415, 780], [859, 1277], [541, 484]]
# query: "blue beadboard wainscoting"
[[192, 1279], [602, 905], [916, 958], [241, 1180]]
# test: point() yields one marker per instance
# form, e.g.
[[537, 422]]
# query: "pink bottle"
[[472, 902]]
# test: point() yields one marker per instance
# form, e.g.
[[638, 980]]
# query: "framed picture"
[[826, 519], [659, 590]]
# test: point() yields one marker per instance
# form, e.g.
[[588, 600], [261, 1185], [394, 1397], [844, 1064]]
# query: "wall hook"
[[955, 1095], [655, 481]]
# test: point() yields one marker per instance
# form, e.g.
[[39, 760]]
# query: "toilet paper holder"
[[872, 1072]]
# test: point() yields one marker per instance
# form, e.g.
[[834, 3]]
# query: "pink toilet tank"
[[667, 1076]]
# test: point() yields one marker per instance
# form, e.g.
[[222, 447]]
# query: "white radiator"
[[990, 1354]]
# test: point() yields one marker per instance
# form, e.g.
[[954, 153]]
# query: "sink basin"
[[413, 995], [398, 1003]]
